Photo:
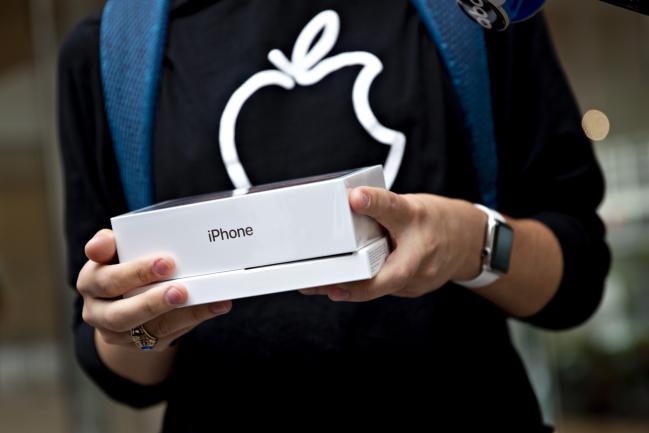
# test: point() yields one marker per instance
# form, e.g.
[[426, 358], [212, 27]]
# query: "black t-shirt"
[[422, 360], [309, 129]]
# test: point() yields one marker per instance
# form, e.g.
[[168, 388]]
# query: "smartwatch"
[[497, 250]]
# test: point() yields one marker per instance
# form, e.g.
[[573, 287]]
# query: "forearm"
[[144, 368], [535, 272]]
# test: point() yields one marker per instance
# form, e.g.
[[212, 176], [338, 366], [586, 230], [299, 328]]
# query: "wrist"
[[470, 230]]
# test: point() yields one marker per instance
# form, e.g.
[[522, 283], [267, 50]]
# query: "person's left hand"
[[434, 240]]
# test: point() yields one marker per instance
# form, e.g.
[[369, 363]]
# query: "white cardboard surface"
[[269, 225], [360, 265]]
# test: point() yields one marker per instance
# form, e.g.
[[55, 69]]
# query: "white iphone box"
[[222, 286], [264, 225]]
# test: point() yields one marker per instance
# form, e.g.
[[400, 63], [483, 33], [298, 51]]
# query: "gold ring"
[[142, 339]]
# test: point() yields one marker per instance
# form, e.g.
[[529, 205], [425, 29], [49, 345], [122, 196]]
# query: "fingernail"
[[174, 297], [161, 267], [219, 308], [365, 199], [340, 294]]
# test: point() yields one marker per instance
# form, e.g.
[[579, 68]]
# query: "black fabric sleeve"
[[548, 168], [92, 193]]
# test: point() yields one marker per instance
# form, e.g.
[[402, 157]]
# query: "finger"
[[172, 339], [124, 314], [174, 321], [322, 290], [126, 340], [391, 210], [397, 272], [110, 281], [170, 326], [101, 248], [411, 292]]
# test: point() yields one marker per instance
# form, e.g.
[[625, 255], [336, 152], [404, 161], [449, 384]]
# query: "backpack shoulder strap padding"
[[132, 40], [462, 45]]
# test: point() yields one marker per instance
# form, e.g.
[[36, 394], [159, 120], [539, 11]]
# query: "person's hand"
[[434, 240], [102, 284]]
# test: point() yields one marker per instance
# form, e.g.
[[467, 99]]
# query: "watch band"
[[487, 276]]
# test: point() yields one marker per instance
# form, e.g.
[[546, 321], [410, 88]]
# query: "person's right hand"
[[102, 284]]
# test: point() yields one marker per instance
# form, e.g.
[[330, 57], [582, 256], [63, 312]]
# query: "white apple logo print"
[[306, 68]]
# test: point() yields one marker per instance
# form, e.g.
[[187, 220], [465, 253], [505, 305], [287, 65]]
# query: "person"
[[409, 345]]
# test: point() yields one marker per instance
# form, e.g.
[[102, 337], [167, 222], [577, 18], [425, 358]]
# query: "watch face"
[[502, 248]]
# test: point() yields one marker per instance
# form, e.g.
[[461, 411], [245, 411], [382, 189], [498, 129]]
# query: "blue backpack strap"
[[132, 40], [130, 67], [462, 45]]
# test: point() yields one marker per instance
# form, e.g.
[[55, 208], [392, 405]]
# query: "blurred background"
[[593, 379]]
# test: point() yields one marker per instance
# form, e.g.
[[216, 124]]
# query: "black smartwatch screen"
[[502, 248]]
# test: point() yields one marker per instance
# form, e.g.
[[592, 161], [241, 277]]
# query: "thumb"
[[387, 208], [101, 248]]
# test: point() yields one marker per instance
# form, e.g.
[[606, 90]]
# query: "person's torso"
[[358, 71], [379, 72]]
